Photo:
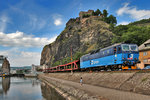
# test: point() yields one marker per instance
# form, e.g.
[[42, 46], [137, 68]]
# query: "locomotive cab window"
[[125, 47], [107, 51], [115, 49], [119, 49], [103, 53], [133, 48]]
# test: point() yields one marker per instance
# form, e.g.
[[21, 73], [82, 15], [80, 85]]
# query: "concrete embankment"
[[127, 81], [67, 91]]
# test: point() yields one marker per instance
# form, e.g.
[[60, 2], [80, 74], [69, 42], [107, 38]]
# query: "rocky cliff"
[[6, 66], [82, 35]]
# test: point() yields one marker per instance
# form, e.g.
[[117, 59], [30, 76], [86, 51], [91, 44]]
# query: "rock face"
[[82, 35], [6, 66]]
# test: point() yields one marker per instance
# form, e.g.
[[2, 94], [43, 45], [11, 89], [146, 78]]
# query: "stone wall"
[[82, 13]]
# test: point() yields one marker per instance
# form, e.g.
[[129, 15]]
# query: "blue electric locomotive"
[[118, 56]]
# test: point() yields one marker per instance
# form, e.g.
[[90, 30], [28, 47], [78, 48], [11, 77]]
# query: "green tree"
[[77, 55], [136, 34], [112, 26], [105, 13], [106, 19], [120, 29], [131, 34], [86, 15], [100, 13], [112, 19], [97, 12], [93, 13]]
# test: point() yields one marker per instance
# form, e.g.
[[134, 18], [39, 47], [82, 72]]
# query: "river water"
[[15, 88]]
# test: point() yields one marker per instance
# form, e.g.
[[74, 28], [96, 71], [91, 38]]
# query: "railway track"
[[116, 71], [124, 71]]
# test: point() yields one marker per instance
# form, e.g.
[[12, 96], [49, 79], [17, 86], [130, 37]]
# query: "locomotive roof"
[[114, 46], [95, 51], [111, 46]]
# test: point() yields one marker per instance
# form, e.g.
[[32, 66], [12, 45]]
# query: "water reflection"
[[5, 84], [15, 88], [49, 93], [35, 83]]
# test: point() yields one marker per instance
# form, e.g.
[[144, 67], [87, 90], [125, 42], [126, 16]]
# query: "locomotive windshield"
[[133, 48], [127, 47]]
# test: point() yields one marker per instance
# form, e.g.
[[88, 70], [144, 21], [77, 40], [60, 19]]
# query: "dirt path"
[[110, 94]]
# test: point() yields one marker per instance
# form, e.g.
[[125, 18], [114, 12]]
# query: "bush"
[[86, 15], [131, 34], [77, 55]]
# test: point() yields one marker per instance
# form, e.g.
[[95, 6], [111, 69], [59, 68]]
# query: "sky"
[[27, 25]]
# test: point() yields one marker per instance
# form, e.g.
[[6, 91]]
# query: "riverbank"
[[69, 84], [129, 81], [67, 91]]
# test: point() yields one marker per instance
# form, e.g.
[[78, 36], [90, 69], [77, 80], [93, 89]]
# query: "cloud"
[[26, 58], [36, 22], [122, 10], [21, 58], [3, 22], [123, 23], [133, 12], [57, 19], [19, 39]]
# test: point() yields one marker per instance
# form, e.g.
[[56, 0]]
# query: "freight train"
[[118, 56]]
